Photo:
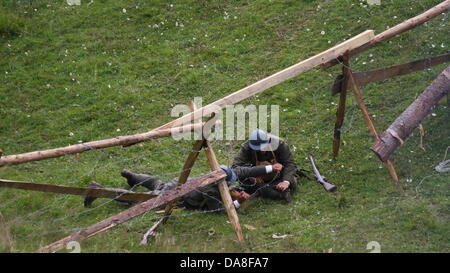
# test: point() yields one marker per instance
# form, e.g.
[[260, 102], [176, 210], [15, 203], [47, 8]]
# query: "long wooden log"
[[410, 119], [233, 98], [99, 144], [136, 210], [364, 78], [396, 30], [281, 76], [118, 194]]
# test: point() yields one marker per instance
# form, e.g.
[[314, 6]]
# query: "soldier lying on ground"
[[206, 198]]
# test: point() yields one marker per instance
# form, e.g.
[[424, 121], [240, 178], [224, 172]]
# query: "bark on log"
[[410, 119], [398, 29], [117, 194], [137, 210], [99, 144]]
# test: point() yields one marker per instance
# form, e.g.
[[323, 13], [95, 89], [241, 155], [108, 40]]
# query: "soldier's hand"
[[282, 186], [242, 197], [277, 167]]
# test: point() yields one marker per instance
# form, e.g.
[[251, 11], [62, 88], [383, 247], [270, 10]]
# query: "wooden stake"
[[369, 122], [118, 194], [225, 194], [151, 232], [184, 175], [137, 210], [340, 113], [5, 235]]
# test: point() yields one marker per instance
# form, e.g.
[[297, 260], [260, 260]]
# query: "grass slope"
[[108, 68]]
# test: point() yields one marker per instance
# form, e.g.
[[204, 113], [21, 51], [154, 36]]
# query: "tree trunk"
[[410, 119], [93, 145]]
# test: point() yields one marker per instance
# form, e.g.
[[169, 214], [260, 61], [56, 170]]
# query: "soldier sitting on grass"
[[271, 152]]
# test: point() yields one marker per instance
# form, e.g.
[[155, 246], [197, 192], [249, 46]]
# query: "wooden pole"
[[118, 194], [5, 235], [99, 144], [340, 113], [364, 78], [369, 122], [225, 194], [137, 210], [396, 30], [411, 118]]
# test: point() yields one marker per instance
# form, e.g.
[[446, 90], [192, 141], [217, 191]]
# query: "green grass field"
[[74, 74]]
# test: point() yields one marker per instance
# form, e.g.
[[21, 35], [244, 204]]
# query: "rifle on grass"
[[319, 178]]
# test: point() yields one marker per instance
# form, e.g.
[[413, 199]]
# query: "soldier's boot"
[[136, 179], [89, 199], [287, 196], [273, 193]]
